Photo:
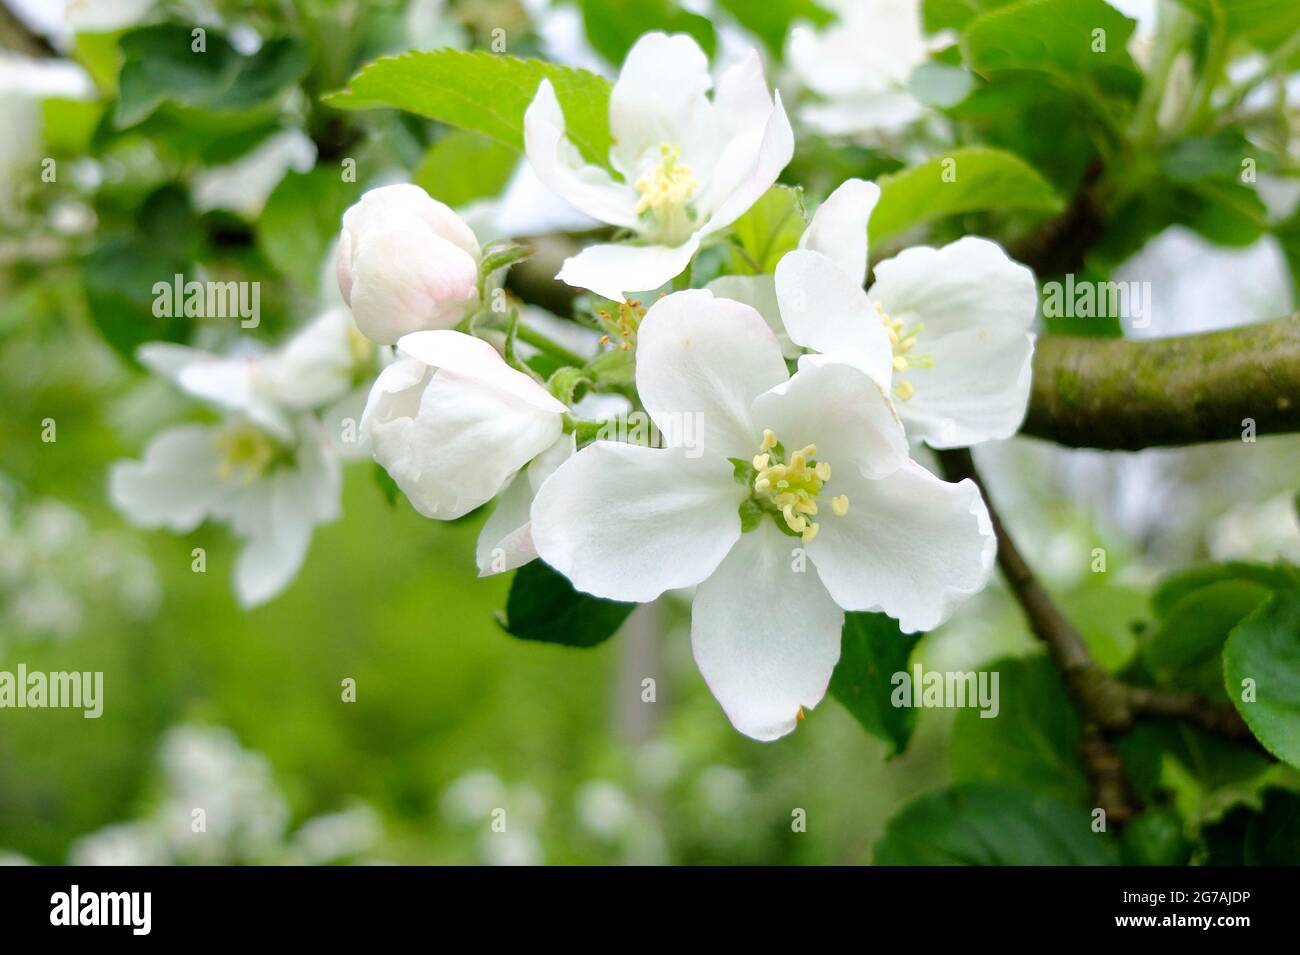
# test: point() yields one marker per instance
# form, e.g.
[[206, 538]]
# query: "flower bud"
[[405, 263], [452, 423]]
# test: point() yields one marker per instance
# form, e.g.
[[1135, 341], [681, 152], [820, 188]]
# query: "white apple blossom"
[[269, 470], [812, 466], [317, 366], [946, 330], [452, 423], [406, 263], [860, 66], [271, 492], [689, 166], [838, 230], [506, 541]]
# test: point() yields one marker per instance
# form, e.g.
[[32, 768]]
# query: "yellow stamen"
[[245, 452], [903, 341], [840, 505], [667, 186], [791, 488]]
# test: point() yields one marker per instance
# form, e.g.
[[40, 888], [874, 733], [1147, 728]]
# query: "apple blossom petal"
[[753, 167], [628, 523], [766, 636], [408, 279], [167, 360], [742, 107], [974, 307], [315, 366], [177, 483], [506, 541], [978, 389], [742, 99], [701, 361], [560, 167], [279, 515], [616, 271], [759, 293], [378, 208], [844, 413], [838, 229], [965, 284], [238, 384], [452, 441], [910, 545], [271, 558], [474, 358], [824, 309], [661, 98]]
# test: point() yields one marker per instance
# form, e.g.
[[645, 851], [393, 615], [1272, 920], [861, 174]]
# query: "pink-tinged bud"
[[405, 263]]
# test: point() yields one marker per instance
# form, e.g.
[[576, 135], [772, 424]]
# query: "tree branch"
[[1107, 706], [1125, 395]]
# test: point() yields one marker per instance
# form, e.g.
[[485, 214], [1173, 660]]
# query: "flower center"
[[246, 452], [790, 488], [903, 341], [666, 190]]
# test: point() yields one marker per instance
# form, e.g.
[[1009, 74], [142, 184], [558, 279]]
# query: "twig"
[[1107, 706], [1124, 395]]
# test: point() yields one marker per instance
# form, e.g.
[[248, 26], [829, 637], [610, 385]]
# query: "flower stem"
[[552, 348]]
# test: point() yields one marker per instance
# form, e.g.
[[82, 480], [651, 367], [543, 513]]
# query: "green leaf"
[[68, 124], [119, 274], [769, 230], [1186, 649], [1264, 24], [1205, 775], [100, 55], [770, 20], [1106, 614], [1265, 648], [302, 217], [160, 66], [544, 606], [1268, 834], [966, 180], [1060, 39], [939, 15], [613, 26], [976, 824], [1177, 586], [872, 650], [1155, 837], [464, 166], [1032, 742], [483, 92]]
